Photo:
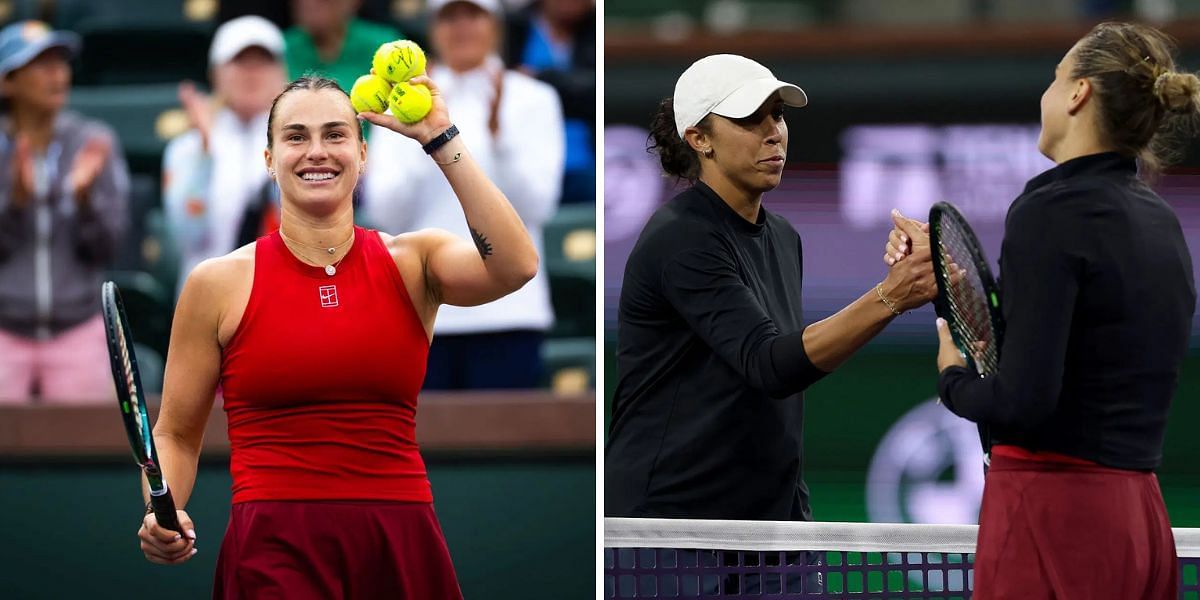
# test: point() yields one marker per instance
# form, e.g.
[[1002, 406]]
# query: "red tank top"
[[320, 380]]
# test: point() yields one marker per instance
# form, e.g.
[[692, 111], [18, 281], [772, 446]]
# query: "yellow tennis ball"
[[399, 61], [370, 94], [410, 103]]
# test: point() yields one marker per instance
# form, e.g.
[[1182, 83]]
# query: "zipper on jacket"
[[45, 173]]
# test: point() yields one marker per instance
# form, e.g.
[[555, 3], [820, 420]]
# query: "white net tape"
[[811, 535]]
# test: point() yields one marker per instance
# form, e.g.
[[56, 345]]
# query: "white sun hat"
[[728, 85]]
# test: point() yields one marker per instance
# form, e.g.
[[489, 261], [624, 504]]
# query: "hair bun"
[[1178, 92]]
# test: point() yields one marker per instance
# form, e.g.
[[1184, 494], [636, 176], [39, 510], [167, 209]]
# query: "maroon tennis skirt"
[[1072, 529], [326, 550]]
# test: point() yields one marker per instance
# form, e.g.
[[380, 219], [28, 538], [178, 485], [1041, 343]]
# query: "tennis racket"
[[968, 298], [132, 401]]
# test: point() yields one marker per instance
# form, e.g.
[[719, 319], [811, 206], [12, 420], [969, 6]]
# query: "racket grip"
[[164, 511]]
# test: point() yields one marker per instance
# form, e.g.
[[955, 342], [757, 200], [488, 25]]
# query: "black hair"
[[313, 82], [678, 158]]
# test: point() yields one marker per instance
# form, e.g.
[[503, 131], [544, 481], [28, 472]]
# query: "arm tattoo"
[[481, 243]]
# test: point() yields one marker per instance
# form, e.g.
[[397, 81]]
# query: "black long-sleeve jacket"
[[1097, 295], [708, 412]]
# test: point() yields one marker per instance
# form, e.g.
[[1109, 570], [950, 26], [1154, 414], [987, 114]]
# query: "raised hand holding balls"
[[417, 110], [399, 61], [436, 121], [370, 94]]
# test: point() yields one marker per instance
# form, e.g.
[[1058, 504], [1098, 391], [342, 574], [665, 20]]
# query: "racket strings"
[[963, 326], [979, 326], [966, 299], [145, 457], [979, 346], [127, 365]]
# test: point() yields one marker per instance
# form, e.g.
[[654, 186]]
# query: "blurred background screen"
[[910, 102]]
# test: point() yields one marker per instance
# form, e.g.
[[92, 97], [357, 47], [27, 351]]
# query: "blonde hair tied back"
[[1147, 107], [1178, 92]]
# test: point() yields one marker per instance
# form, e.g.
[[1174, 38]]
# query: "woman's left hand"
[[434, 123], [86, 168], [948, 354]]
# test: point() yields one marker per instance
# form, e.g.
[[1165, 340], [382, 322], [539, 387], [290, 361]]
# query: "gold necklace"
[[331, 249], [331, 269]]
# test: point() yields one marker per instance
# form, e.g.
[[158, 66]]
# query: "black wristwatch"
[[440, 140]]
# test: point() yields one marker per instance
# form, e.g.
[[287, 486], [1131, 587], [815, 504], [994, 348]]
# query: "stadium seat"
[[119, 51], [70, 14], [143, 196], [148, 307], [144, 116], [147, 245], [570, 255], [150, 367], [640, 10], [160, 253], [415, 29], [17, 10], [570, 364]]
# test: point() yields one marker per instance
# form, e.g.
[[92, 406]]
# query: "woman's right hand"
[[165, 547], [899, 242], [199, 109], [910, 282]]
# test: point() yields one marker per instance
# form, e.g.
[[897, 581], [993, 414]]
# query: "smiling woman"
[[308, 173], [318, 335]]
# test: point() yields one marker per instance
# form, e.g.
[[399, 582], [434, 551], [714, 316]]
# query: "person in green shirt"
[[327, 38]]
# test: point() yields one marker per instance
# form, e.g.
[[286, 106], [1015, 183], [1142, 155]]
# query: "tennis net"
[[765, 560]]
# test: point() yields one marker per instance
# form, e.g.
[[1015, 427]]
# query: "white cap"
[[728, 85], [241, 33], [492, 6]]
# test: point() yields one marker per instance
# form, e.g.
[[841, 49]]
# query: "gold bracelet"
[[888, 303], [457, 157]]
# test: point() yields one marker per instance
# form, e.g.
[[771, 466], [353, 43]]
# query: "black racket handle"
[[164, 512]]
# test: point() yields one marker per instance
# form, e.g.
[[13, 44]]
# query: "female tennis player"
[[1097, 293], [712, 355], [318, 336]]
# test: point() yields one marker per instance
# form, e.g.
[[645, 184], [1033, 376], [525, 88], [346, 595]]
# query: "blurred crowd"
[[518, 78]]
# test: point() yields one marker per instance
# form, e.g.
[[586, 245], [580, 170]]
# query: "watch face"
[[440, 140]]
